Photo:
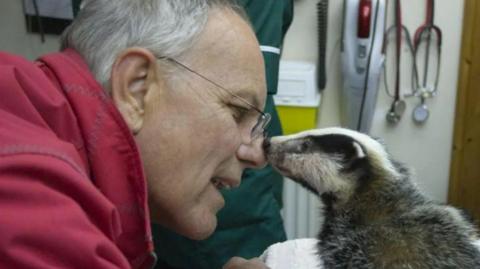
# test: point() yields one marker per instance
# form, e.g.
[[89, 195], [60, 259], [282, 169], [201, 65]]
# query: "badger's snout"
[[271, 149], [275, 153], [266, 145], [285, 155]]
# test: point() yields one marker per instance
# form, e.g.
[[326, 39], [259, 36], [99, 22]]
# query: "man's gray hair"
[[103, 28]]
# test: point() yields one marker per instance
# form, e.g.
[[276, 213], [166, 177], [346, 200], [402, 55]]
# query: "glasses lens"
[[259, 128]]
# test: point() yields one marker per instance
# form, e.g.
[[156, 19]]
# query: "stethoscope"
[[398, 106], [422, 91]]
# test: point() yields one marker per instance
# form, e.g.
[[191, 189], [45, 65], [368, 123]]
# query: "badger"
[[374, 214]]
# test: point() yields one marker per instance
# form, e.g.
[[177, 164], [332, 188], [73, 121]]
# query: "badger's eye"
[[305, 145]]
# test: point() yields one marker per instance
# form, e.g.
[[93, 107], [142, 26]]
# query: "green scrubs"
[[250, 220]]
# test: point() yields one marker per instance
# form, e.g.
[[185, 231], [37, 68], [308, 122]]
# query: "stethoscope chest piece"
[[420, 114], [399, 107], [392, 118], [396, 112]]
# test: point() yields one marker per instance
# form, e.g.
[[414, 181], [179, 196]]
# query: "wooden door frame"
[[470, 34]]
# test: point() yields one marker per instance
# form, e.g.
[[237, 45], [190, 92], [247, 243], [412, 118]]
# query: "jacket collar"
[[109, 149]]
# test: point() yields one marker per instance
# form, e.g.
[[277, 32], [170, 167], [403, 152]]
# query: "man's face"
[[195, 134]]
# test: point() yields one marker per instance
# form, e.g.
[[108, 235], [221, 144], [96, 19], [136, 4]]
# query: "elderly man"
[[250, 221], [161, 97]]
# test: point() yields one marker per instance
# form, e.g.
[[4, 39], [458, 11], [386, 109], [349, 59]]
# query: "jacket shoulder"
[[21, 137]]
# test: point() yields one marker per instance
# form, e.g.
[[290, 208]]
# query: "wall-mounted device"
[[49, 16], [362, 61], [322, 20], [297, 99]]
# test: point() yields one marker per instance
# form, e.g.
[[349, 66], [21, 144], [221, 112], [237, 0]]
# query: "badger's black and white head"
[[329, 160]]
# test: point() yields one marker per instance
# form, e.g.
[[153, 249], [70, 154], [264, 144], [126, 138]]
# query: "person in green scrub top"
[[250, 220]]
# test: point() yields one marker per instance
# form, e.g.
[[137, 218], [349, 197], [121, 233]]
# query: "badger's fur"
[[375, 216]]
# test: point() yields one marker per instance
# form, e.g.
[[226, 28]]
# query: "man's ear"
[[134, 74]]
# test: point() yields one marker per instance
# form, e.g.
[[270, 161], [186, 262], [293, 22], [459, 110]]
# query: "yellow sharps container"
[[297, 98]]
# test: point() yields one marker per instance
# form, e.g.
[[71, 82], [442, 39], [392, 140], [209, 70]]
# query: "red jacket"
[[72, 188]]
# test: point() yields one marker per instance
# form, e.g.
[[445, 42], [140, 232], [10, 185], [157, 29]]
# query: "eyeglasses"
[[263, 120]]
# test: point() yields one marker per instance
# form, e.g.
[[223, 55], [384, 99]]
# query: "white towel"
[[297, 254], [293, 254]]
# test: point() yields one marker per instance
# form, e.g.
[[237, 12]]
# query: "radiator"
[[301, 211]]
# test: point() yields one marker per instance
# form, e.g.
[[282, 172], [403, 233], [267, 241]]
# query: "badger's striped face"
[[325, 160]]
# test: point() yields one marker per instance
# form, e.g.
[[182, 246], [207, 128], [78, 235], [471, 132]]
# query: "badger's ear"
[[359, 151]]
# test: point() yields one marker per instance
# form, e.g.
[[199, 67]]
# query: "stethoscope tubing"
[[426, 32], [399, 28], [425, 29]]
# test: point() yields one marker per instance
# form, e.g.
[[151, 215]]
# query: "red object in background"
[[364, 18]]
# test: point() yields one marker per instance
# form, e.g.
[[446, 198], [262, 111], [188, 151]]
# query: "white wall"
[[427, 148], [13, 34]]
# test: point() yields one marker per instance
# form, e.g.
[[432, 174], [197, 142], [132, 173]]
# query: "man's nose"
[[252, 154]]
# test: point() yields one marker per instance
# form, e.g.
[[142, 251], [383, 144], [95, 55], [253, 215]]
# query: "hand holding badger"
[[375, 216]]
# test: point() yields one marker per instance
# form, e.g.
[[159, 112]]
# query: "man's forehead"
[[225, 31], [228, 53]]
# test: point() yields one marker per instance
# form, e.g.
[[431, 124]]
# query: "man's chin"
[[202, 230]]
